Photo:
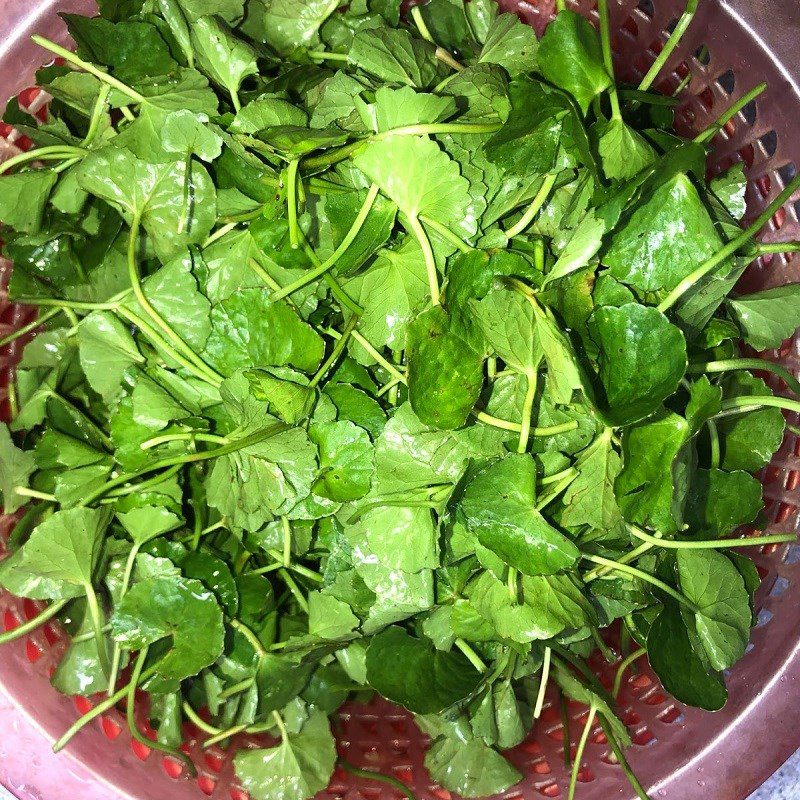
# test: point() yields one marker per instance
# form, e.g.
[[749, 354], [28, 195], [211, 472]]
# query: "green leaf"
[[16, 468], [471, 768], [729, 188], [226, 59], [648, 486], [330, 618], [23, 197], [720, 501], [445, 375], [664, 240], [106, 349], [59, 559], [289, 24], [397, 108], [299, 767], [498, 505], [623, 151], [480, 92], [642, 359], [580, 249], [714, 585], [394, 56], [187, 133], [705, 401], [214, 574], [230, 10], [148, 522], [418, 176], [570, 57], [288, 396], [681, 671], [429, 681], [511, 44], [345, 460], [545, 607], [80, 669], [249, 330], [268, 112], [767, 318], [589, 499], [176, 608]]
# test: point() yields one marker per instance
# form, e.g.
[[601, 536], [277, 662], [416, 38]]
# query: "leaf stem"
[[138, 291], [206, 455], [626, 662], [97, 115], [24, 491], [561, 6], [671, 544], [32, 624], [713, 436], [669, 45], [548, 498], [430, 260], [226, 734], [329, 262], [471, 655], [198, 721], [619, 753], [587, 729], [777, 247], [237, 688], [729, 364], [30, 327], [565, 473], [537, 709], [281, 727], [446, 234], [730, 248], [291, 202], [193, 436], [416, 15], [748, 402], [605, 43], [248, 634], [566, 748], [53, 153], [617, 566], [99, 709], [369, 775], [527, 410], [534, 208], [293, 588], [713, 129], [97, 625], [130, 716], [325, 55], [70, 57], [447, 58]]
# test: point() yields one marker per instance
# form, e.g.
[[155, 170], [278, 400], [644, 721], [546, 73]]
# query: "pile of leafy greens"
[[377, 354]]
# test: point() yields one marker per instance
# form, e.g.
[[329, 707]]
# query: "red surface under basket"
[[676, 751]]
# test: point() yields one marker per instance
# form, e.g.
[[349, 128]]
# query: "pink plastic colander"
[[678, 753]]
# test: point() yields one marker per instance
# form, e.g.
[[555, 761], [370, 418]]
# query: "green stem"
[[291, 202], [281, 727], [255, 642], [32, 624], [617, 566], [220, 232], [587, 729], [669, 45], [561, 6], [130, 716], [384, 362], [116, 656], [430, 260], [447, 58], [54, 153], [527, 410], [294, 589], [567, 738], [685, 81], [336, 290], [605, 43], [619, 753], [115, 494], [24, 491], [237, 688], [437, 128], [222, 735], [671, 544], [71, 58], [471, 655], [534, 208], [133, 273], [569, 472], [183, 437], [446, 234], [329, 262], [164, 463], [336, 352], [369, 775], [416, 15], [713, 437], [99, 709], [512, 584], [777, 247], [730, 249], [548, 498], [730, 364], [324, 55], [97, 625], [537, 709], [31, 326], [198, 721], [331, 157], [711, 131], [97, 115], [632, 555], [61, 303], [626, 662], [748, 402]]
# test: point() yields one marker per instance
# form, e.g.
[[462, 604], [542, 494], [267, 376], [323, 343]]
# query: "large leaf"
[[767, 318], [16, 467]]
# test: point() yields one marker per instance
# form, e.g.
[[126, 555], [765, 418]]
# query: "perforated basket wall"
[[679, 753]]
